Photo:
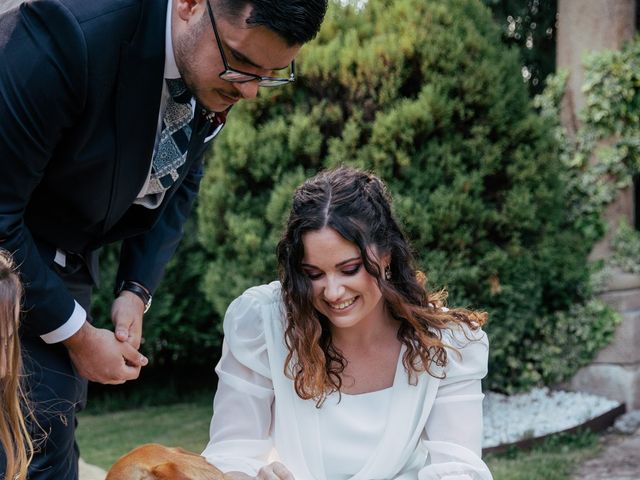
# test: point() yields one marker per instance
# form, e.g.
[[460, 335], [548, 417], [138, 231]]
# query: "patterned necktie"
[[171, 152]]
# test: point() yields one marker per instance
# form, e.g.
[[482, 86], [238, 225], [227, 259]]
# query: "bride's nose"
[[333, 289]]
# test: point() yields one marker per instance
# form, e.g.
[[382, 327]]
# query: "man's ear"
[[187, 8]]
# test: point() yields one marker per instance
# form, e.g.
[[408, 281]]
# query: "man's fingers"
[[126, 315], [122, 335], [122, 326], [135, 338], [133, 357]]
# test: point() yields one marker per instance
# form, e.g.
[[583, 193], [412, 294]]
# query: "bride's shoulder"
[[246, 315], [467, 352], [262, 294]]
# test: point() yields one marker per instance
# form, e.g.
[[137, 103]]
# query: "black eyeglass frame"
[[228, 73]]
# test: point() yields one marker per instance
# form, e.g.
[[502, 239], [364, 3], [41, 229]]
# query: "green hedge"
[[425, 94]]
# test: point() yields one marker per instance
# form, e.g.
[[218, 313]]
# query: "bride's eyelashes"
[[350, 271]]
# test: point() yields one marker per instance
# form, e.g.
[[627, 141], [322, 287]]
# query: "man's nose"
[[248, 90]]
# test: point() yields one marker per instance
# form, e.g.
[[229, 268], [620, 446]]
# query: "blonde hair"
[[14, 436]]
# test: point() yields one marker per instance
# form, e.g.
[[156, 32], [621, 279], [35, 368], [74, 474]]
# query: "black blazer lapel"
[[137, 105]]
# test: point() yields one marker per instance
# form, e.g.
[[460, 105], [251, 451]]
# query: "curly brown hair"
[[357, 205]]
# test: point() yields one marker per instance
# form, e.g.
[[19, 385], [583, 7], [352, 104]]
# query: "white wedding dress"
[[428, 431]]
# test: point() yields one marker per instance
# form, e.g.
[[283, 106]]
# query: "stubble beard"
[[185, 48]]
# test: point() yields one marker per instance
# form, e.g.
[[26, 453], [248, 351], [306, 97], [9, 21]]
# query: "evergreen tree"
[[426, 95]]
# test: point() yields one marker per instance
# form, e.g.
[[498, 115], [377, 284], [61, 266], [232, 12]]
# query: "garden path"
[[619, 459]]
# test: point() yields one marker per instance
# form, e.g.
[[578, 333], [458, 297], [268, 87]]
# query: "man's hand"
[[126, 314], [99, 357]]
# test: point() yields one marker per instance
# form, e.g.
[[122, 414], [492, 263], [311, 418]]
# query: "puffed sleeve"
[[240, 432], [453, 433]]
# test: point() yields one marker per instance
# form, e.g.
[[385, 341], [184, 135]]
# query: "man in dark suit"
[[106, 110]]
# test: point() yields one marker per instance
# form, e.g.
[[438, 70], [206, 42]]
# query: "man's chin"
[[216, 106]]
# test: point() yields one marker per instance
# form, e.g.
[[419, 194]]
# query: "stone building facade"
[[583, 26]]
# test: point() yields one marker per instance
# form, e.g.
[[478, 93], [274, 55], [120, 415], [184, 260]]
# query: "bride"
[[348, 367]]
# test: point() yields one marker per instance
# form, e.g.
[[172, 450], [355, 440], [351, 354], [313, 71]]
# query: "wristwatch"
[[138, 290]]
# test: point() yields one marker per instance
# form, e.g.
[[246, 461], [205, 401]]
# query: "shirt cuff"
[[71, 326]]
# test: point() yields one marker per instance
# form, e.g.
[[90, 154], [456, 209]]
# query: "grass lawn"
[[103, 437], [554, 460]]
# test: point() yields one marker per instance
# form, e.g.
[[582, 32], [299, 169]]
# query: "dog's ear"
[[168, 471]]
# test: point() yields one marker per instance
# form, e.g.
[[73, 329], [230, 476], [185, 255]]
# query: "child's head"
[[14, 438], [10, 295]]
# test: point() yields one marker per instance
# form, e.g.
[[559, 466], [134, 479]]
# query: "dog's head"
[[157, 462]]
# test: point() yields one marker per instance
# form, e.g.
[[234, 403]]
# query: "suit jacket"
[[80, 90]]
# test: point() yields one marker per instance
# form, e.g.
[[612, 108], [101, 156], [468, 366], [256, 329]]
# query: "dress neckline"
[[367, 394]]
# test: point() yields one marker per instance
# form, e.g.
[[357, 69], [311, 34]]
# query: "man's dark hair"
[[296, 21]]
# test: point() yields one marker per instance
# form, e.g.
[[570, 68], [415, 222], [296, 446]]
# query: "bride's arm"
[[240, 433], [454, 428]]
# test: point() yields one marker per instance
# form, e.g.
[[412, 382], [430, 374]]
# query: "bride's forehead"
[[326, 246], [325, 243]]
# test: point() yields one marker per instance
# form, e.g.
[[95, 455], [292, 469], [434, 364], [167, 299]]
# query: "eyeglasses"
[[238, 76]]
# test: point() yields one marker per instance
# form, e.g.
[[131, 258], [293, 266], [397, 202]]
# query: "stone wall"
[[585, 26], [615, 373]]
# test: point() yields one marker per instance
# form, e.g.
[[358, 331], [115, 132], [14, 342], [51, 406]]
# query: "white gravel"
[[537, 413]]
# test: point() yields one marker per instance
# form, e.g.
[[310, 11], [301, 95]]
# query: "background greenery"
[[425, 94], [529, 26], [491, 192], [604, 155]]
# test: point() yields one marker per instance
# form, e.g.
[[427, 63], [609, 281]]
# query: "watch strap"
[[138, 290]]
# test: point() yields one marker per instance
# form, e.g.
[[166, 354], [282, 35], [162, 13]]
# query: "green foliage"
[[612, 94], [599, 161], [604, 156], [555, 459], [626, 248], [530, 26], [425, 94]]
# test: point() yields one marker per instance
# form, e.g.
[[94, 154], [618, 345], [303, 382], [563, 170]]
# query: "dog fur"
[[157, 462]]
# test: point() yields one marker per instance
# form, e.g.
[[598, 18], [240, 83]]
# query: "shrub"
[[425, 94], [626, 249]]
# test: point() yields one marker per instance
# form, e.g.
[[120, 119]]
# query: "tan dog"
[[157, 462]]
